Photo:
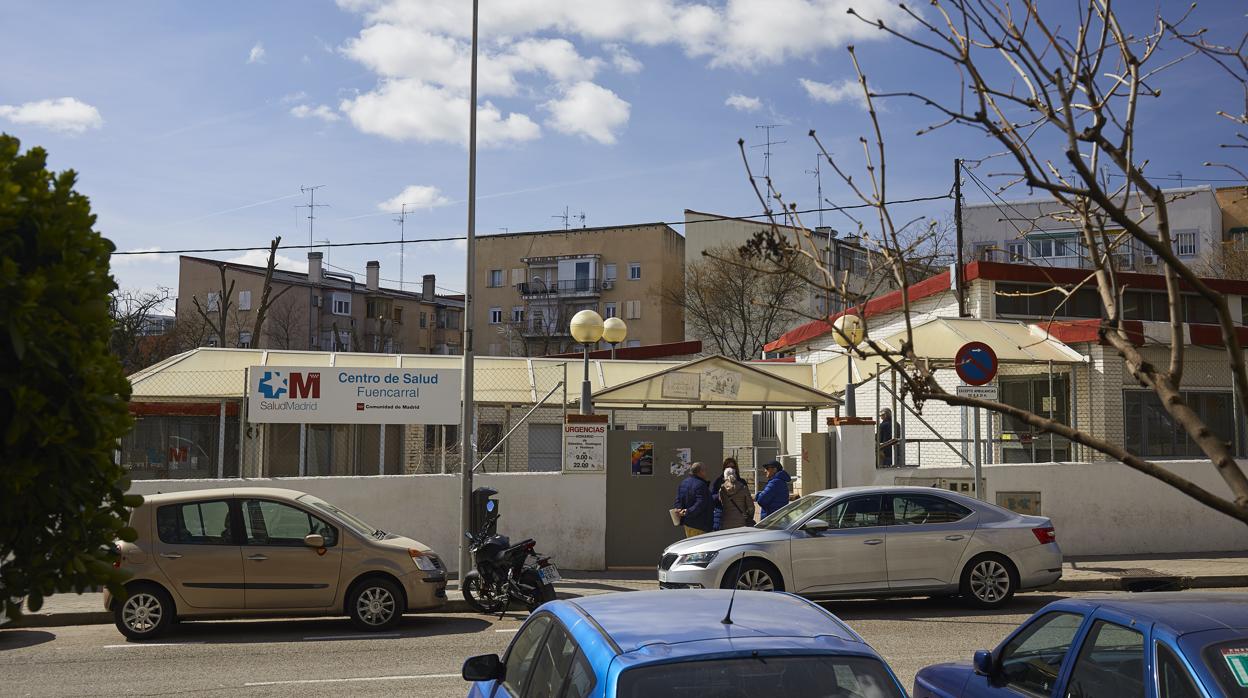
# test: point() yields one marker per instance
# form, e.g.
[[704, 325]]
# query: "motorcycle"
[[504, 572]]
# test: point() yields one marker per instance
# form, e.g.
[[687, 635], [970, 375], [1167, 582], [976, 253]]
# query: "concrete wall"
[[565, 514]]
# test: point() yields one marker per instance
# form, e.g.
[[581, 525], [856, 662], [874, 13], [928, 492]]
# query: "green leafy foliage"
[[62, 394]]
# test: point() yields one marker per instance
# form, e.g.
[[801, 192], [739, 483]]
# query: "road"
[[423, 657]]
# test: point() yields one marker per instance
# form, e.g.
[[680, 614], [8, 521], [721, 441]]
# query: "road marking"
[[361, 636], [360, 678], [150, 644], [507, 630]]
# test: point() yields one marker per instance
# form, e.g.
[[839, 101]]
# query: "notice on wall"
[[584, 447], [1020, 502], [721, 382], [682, 462], [643, 457], [338, 395], [682, 385]]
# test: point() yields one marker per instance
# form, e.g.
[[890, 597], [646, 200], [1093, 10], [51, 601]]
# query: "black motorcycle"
[[506, 572]]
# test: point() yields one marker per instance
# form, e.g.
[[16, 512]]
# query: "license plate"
[[549, 574]]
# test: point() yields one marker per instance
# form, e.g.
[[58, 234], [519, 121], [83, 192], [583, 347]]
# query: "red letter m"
[[301, 386]]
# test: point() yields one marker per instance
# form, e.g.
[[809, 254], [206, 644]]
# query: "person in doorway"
[[737, 504], [885, 439], [775, 493], [729, 462], [693, 502]]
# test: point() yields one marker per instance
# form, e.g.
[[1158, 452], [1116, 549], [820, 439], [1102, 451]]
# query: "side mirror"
[[816, 526], [314, 540], [984, 663], [483, 667]]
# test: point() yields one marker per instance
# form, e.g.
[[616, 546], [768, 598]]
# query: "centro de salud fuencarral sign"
[[339, 395]]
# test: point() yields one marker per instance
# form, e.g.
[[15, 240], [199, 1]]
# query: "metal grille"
[[667, 561]]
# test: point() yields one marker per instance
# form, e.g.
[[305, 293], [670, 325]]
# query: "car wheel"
[[375, 604], [754, 575], [147, 612], [989, 581]]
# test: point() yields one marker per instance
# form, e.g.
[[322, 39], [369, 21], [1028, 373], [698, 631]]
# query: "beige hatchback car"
[[258, 551]]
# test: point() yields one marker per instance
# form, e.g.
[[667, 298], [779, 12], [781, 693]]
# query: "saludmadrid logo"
[[278, 391]]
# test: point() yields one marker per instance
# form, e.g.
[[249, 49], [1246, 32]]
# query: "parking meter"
[[484, 511]]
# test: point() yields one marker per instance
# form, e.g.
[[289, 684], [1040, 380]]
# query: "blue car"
[[654, 644], [1179, 645]]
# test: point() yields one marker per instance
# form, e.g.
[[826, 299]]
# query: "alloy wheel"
[[142, 612], [756, 580], [375, 606], [990, 581]]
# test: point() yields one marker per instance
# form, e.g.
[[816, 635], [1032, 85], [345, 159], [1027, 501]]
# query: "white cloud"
[[742, 103], [622, 59], [588, 110], [66, 115], [412, 110], [256, 55], [845, 91], [415, 196], [260, 258], [320, 111]]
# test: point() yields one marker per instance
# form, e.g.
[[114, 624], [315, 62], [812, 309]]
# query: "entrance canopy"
[[714, 382]]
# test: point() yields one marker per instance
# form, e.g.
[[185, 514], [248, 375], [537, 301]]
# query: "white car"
[[875, 541]]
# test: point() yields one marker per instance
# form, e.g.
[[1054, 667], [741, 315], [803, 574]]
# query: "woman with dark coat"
[[738, 505]]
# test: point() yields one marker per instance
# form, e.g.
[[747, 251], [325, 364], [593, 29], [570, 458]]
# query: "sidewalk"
[[1099, 573]]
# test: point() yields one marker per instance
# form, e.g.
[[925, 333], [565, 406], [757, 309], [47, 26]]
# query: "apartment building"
[[321, 309], [529, 285]]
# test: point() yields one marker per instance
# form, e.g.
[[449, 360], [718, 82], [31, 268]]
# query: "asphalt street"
[[421, 658]]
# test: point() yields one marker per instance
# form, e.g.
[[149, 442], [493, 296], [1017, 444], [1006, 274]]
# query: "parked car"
[[653, 644], [875, 541], [1154, 645], [257, 551]]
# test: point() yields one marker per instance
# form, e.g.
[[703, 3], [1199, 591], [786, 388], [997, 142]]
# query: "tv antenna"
[[818, 185], [766, 146], [567, 218], [402, 220], [311, 206]]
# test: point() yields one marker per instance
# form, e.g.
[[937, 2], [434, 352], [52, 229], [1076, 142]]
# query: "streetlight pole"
[[849, 333], [467, 421], [614, 331], [586, 328]]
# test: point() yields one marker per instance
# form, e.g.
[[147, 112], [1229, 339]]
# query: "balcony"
[[572, 288]]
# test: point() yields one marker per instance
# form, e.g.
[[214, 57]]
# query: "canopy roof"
[[714, 382]]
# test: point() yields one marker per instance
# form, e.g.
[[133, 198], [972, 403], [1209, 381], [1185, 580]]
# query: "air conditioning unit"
[[607, 284], [1150, 260]]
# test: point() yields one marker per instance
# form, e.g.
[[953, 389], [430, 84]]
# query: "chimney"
[[426, 291], [372, 271], [314, 267]]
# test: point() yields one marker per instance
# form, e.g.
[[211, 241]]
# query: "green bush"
[[62, 394]]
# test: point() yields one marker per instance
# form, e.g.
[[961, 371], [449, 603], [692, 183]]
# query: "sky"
[[195, 125]]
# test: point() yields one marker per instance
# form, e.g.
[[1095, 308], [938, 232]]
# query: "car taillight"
[[1045, 535]]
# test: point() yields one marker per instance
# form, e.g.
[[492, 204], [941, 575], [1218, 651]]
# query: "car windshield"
[[352, 521], [794, 677], [1229, 662], [793, 512]]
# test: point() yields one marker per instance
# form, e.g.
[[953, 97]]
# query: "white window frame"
[[632, 310], [244, 339], [214, 301], [340, 303], [517, 313], [634, 271], [608, 272], [1187, 243], [609, 310], [495, 278], [244, 300], [496, 315], [1016, 250], [652, 427]]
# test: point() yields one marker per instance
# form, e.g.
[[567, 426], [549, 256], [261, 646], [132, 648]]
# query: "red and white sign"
[[584, 446]]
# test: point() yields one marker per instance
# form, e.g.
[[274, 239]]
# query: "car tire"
[[475, 594], [375, 603], [753, 574], [989, 581], [146, 612]]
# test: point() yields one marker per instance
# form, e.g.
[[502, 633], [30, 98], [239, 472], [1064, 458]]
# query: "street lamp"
[[614, 331], [586, 327], [849, 332]]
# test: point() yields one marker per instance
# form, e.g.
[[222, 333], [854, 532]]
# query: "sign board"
[[585, 445], [682, 385], [981, 392], [976, 363], [329, 395], [1020, 502]]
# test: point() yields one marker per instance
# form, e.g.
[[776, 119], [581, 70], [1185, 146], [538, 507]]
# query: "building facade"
[[529, 285], [320, 309]]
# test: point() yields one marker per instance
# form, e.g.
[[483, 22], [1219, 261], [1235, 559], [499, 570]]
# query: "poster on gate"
[[341, 395], [585, 444]]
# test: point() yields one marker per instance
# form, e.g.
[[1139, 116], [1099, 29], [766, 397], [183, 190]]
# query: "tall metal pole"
[[466, 421], [587, 407], [851, 405], [959, 276]]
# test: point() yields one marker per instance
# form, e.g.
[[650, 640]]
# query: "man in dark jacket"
[[775, 494], [693, 499]]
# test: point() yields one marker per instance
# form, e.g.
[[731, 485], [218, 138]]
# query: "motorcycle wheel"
[[476, 593], [542, 592]]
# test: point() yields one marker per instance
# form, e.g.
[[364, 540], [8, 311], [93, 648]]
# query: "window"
[[1186, 243], [423, 320], [488, 435], [372, 308], [1017, 250], [1173, 681], [652, 427], [342, 304], [918, 509], [1054, 247], [496, 316], [983, 250], [431, 435], [1110, 663], [398, 315], [522, 654], [273, 523], [1149, 431], [824, 675], [581, 678], [244, 300], [696, 427], [609, 310], [1040, 301], [517, 276], [634, 271], [1031, 661], [632, 343], [632, 310], [244, 339], [195, 523], [855, 512], [1031, 393], [449, 319], [495, 278], [1227, 660], [517, 313], [608, 272], [553, 660], [214, 301]]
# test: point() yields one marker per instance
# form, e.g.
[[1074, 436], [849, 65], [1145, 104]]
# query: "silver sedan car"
[[875, 541]]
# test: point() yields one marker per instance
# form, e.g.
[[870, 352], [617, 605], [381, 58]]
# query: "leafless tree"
[[266, 296], [218, 317], [133, 313], [217, 322], [285, 325], [1062, 100]]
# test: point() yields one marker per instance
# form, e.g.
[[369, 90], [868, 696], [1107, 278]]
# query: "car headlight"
[[424, 562], [697, 559]]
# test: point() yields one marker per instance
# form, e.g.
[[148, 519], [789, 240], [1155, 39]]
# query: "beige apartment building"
[[529, 285], [320, 309]]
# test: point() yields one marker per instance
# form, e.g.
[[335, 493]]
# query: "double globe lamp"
[[587, 328]]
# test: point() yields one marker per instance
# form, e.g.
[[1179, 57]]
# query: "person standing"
[[775, 494], [738, 506], [693, 502], [729, 462], [884, 436]]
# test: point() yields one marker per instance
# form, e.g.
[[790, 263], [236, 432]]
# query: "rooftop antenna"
[[311, 206], [563, 216], [731, 599], [1178, 176], [402, 220], [766, 146], [818, 185], [581, 217], [327, 248]]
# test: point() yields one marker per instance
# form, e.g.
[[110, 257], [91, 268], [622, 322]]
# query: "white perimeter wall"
[[565, 514]]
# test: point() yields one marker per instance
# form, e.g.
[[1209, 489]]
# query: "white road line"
[[149, 644], [350, 637], [507, 630], [360, 678]]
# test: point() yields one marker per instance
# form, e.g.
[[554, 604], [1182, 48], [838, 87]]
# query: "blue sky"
[[195, 124]]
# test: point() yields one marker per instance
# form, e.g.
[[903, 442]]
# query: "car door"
[[280, 569], [197, 549], [1030, 662], [1111, 662], [849, 556], [927, 539], [521, 658]]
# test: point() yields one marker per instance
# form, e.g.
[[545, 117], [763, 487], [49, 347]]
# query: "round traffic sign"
[[976, 363]]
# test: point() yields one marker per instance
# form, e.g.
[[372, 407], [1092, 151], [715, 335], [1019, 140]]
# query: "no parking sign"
[[976, 363]]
